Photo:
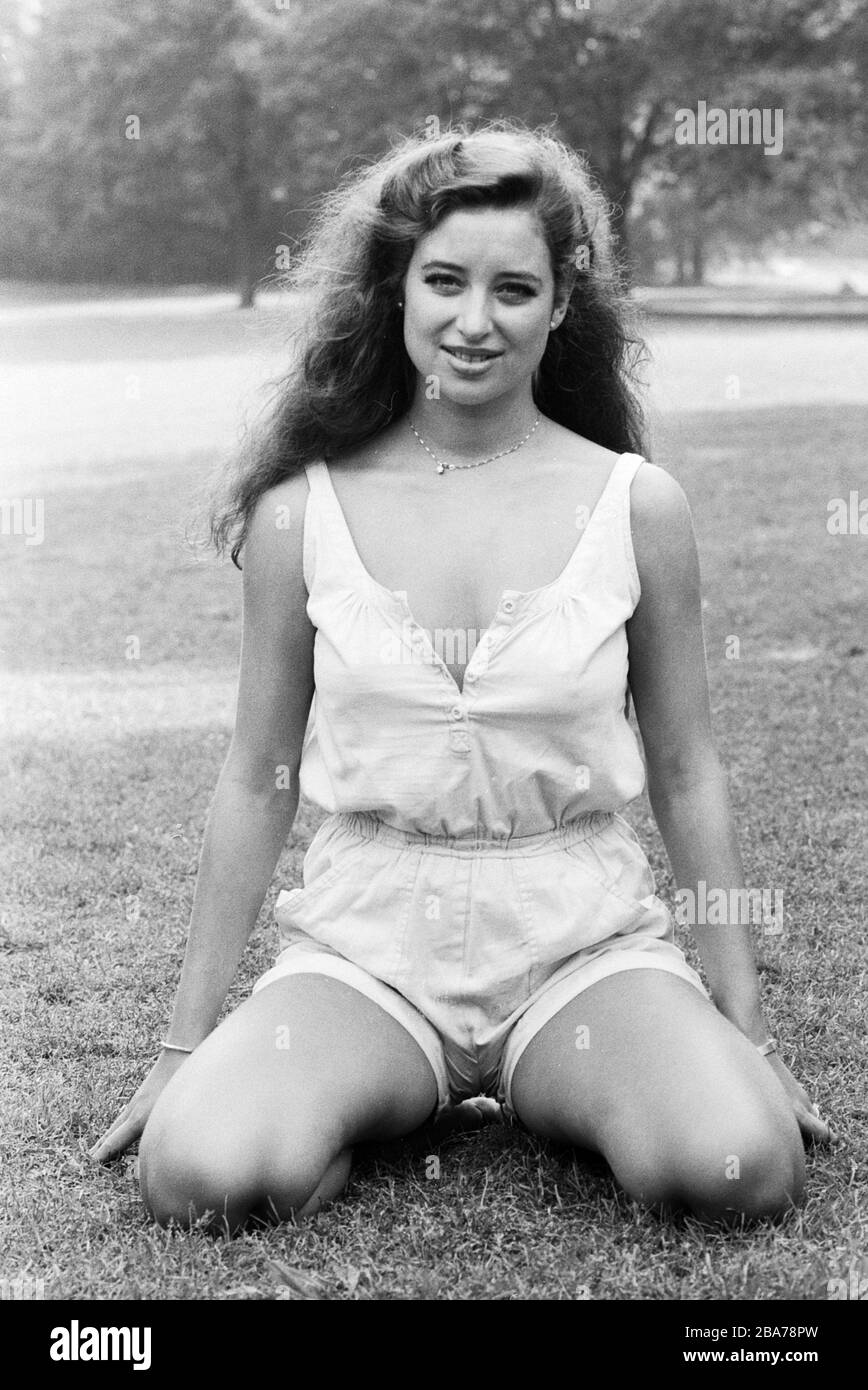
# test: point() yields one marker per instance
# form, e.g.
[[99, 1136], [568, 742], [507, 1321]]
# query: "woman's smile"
[[471, 361]]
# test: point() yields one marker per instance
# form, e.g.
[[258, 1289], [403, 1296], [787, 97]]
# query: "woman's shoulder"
[[367, 455], [287, 492], [656, 498], [574, 448], [664, 544], [658, 503], [275, 530]]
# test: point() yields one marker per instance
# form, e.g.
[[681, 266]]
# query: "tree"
[[141, 142], [810, 69], [609, 77], [190, 139], [606, 77]]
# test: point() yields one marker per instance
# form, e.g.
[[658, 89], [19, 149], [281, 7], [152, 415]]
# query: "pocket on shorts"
[[327, 859], [624, 864], [569, 907], [355, 904], [290, 902], [630, 879]]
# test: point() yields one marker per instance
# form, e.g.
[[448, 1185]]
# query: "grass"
[[105, 778]]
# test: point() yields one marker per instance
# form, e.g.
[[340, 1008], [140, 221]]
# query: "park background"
[[141, 320]]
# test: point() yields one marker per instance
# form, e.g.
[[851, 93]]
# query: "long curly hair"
[[350, 374]]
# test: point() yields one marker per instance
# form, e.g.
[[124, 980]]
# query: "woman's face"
[[479, 303]]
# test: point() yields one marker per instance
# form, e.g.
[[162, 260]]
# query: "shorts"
[[473, 945]]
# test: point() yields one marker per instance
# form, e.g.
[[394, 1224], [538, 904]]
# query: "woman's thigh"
[[276, 1095], [641, 1068]]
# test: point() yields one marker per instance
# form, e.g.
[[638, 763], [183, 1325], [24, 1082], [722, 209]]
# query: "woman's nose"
[[474, 316]]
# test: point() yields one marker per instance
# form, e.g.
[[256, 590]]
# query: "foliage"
[[249, 109]]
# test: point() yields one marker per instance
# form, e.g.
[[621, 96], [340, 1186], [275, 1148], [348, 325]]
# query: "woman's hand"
[[813, 1127], [131, 1121]]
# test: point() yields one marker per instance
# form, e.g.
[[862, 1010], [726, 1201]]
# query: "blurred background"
[[160, 162], [183, 143]]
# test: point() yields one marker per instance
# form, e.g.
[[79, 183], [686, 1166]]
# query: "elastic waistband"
[[370, 827]]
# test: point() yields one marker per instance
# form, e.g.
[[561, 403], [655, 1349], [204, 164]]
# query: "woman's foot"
[[468, 1115]]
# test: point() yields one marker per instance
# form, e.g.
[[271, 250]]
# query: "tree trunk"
[[680, 257], [247, 289], [243, 170], [697, 252]]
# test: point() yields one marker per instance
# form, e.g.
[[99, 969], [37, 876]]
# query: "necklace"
[[442, 467]]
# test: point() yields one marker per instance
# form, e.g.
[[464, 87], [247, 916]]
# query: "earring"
[[554, 323], [400, 303]]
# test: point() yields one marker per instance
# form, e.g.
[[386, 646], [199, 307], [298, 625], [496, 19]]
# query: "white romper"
[[473, 873]]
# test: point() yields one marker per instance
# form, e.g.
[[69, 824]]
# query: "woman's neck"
[[469, 431]]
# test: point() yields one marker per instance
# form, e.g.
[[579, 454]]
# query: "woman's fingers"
[[122, 1133], [110, 1133], [130, 1123], [812, 1124]]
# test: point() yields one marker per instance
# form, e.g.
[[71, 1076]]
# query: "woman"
[[450, 540]]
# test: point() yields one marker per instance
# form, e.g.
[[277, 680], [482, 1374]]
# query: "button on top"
[[470, 676], [457, 711], [508, 605]]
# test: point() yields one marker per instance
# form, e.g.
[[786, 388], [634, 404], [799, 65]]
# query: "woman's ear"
[[561, 304]]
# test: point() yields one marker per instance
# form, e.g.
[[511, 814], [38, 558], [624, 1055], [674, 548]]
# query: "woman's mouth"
[[471, 361], [471, 354]]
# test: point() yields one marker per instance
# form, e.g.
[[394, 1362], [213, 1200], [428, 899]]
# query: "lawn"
[[106, 769]]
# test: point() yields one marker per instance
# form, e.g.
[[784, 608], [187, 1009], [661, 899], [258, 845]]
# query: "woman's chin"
[[465, 391]]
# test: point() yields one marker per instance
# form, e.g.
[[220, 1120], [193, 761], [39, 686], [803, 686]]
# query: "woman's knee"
[[188, 1173], [752, 1170], [181, 1181]]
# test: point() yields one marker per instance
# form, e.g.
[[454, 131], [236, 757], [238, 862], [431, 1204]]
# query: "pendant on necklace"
[[441, 468]]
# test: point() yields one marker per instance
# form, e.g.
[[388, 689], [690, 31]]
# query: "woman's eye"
[[517, 291], [513, 291], [440, 280]]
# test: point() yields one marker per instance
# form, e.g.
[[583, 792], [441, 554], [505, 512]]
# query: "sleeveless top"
[[539, 733]]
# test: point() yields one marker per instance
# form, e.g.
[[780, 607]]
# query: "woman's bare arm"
[[256, 797], [686, 782], [687, 785]]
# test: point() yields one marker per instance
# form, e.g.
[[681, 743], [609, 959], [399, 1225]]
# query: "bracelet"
[[770, 1045], [173, 1047]]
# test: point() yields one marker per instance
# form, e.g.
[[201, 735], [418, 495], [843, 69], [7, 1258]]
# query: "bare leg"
[[678, 1101], [262, 1118]]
